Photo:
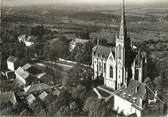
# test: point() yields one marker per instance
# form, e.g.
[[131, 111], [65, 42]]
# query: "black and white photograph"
[[84, 58]]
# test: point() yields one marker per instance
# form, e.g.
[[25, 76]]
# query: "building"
[[43, 95], [22, 75], [12, 63], [123, 69], [120, 63], [30, 99], [130, 100], [76, 41], [27, 40]]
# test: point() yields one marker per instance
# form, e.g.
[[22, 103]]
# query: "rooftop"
[[22, 73], [30, 98], [103, 51], [12, 59], [26, 66], [38, 87], [43, 95], [78, 40], [129, 93]]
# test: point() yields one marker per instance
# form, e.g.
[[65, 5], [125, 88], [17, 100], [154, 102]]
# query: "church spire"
[[123, 27]]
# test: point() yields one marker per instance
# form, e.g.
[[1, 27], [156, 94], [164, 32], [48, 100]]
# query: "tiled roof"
[[40, 75], [38, 87], [30, 98], [12, 59], [77, 40], [7, 97], [103, 51], [22, 73], [43, 95], [26, 66], [129, 93]]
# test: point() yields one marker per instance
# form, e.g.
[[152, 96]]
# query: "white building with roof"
[[30, 99], [12, 63], [22, 75], [27, 40], [123, 69], [43, 95], [120, 63], [76, 41]]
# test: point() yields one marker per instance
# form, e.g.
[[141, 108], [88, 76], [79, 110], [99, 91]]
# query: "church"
[[123, 68], [121, 63]]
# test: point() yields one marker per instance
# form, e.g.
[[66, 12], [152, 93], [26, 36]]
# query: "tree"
[[61, 104], [80, 74], [59, 49], [6, 108], [55, 72], [95, 107], [83, 53], [38, 107]]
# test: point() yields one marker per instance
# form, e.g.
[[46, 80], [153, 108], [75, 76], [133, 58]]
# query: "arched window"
[[104, 67], [100, 67], [111, 72], [119, 51]]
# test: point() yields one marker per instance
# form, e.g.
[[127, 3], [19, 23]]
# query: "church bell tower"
[[122, 52]]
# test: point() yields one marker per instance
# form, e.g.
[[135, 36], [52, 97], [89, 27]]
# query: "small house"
[[43, 95], [12, 63], [30, 99], [76, 41]]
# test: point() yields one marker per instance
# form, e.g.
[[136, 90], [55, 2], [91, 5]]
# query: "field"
[[145, 23]]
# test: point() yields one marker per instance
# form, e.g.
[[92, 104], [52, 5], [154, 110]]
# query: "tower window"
[[136, 74], [100, 67], [119, 51], [111, 72], [104, 67]]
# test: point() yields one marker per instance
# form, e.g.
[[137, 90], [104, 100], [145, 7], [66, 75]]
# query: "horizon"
[[81, 2]]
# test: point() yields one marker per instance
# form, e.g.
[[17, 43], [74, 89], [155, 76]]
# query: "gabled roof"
[[12, 59], [103, 51], [30, 98], [40, 75], [38, 87], [129, 93], [22, 73], [7, 97], [26, 66], [43, 95], [78, 40]]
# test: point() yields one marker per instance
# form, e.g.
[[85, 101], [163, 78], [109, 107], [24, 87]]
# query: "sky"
[[80, 1]]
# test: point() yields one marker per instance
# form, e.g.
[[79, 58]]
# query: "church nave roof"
[[103, 51]]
